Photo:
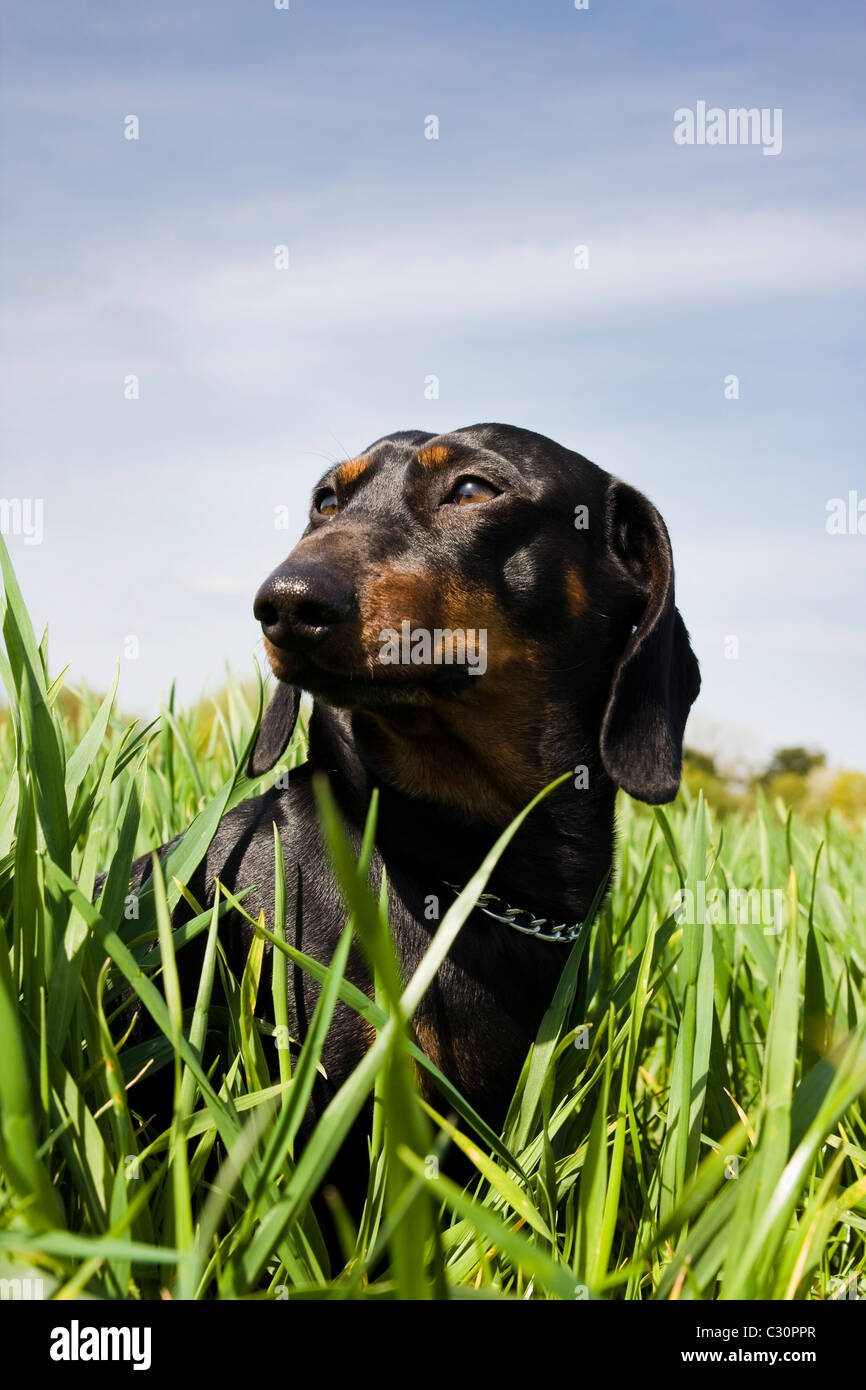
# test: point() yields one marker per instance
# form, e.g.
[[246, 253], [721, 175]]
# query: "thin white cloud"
[[241, 315]]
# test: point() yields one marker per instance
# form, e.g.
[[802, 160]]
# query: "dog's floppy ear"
[[657, 679], [278, 722]]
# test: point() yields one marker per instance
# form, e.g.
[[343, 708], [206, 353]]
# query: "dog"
[[579, 662]]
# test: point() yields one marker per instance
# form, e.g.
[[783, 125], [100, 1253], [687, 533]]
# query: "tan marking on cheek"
[[393, 596], [478, 752], [348, 472], [575, 593], [434, 457], [463, 607]]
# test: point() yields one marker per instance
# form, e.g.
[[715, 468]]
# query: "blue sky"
[[455, 258]]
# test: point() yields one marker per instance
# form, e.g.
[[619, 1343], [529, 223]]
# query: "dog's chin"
[[359, 690]]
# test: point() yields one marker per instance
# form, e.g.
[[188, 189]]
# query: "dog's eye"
[[472, 490], [326, 504]]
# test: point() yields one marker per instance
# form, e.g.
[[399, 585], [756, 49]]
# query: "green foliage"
[[847, 795], [697, 761], [797, 762], [717, 792], [791, 788], [688, 1125], [794, 778]]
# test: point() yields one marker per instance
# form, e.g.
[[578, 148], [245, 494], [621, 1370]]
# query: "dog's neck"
[[557, 858]]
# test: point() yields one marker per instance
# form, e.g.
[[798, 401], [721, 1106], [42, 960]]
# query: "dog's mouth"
[[372, 686]]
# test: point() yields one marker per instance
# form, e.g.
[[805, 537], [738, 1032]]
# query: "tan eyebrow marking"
[[434, 457], [348, 472]]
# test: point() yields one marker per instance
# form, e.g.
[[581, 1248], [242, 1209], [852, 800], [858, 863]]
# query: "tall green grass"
[[688, 1125]]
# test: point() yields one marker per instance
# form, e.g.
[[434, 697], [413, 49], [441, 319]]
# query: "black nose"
[[300, 605]]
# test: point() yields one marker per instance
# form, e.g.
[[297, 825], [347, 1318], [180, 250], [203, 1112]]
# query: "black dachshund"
[[474, 613]]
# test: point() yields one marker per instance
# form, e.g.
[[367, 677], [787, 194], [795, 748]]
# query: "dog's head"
[[477, 581]]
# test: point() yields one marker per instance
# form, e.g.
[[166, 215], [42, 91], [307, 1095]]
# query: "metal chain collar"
[[522, 920]]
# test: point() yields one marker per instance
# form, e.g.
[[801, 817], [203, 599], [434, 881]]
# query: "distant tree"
[[790, 787], [701, 774], [701, 762], [799, 761]]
